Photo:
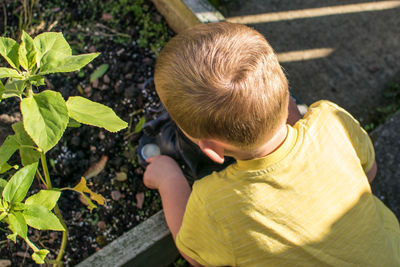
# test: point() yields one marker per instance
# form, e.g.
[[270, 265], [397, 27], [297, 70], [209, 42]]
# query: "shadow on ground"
[[364, 46]]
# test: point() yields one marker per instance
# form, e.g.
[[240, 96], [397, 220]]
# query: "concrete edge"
[[148, 244]]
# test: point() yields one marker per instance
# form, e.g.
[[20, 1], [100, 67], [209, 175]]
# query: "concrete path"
[[341, 50]]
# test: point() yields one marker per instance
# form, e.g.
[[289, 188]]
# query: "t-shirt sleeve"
[[201, 237], [359, 138]]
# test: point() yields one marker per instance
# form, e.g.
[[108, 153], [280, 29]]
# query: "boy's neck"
[[265, 149]]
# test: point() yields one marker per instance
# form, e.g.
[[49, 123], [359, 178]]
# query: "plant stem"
[[45, 170], [64, 235], [56, 210], [40, 177]]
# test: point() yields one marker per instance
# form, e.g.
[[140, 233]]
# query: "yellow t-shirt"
[[308, 203]]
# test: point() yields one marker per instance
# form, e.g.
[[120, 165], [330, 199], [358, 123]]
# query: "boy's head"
[[223, 81]]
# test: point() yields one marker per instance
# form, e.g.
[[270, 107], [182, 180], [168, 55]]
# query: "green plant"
[[390, 106], [45, 115]]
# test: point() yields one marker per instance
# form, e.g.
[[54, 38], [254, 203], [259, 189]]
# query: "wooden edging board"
[[148, 244]]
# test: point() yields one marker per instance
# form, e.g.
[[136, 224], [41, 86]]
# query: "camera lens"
[[150, 150]]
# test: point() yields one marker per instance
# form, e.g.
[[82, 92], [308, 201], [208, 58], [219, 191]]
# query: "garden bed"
[[128, 34]]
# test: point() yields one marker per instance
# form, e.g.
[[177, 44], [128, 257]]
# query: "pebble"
[[88, 91], [106, 79], [5, 263], [116, 195], [101, 225], [102, 136], [119, 52], [121, 176], [118, 87], [139, 200], [148, 61], [107, 16], [129, 76], [10, 119], [95, 83], [104, 87], [53, 237], [92, 49]]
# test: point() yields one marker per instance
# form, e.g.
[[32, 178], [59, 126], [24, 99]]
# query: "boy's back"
[[308, 203]]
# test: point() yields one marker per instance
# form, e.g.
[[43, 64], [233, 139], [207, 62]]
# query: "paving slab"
[[387, 148], [348, 50]]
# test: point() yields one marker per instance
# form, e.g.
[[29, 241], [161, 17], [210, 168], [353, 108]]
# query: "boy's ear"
[[213, 150]]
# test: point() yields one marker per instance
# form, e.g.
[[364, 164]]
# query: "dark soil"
[[128, 40]]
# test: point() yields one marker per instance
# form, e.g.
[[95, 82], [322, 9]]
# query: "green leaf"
[[40, 255], [27, 52], [19, 184], [45, 118], [9, 50], [14, 88], [56, 62], [99, 72], [13, 237], [45, 198], [3, 215], [18, 206], [5, 167], [27, 153], [88, 112], [37, 80], [73, 123], [2, 89], [17, 224], [3, 184], [9, 73], [41, 218], [140, 124], [8, 148], [50, 42]]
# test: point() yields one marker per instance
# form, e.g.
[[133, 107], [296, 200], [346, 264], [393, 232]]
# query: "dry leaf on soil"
[[96, 168]]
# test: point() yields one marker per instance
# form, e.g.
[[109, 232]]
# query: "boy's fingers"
[[149, 160]]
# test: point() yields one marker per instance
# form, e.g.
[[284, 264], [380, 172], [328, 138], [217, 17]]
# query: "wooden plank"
[[178, 16], [148, 244]]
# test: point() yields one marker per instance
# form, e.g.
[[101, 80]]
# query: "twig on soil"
[[111, 30], [52, 25], [23, 260]]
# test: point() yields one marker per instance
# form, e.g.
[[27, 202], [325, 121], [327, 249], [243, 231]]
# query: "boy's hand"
[[161, 169]]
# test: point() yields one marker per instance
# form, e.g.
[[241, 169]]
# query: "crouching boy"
[[297, 196]]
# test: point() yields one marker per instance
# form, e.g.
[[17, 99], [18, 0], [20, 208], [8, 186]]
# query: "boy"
[[297, 196]]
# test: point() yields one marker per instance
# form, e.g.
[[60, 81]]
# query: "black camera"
[[162, 137]]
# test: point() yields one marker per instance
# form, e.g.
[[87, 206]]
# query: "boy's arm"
[[164, 174], [371, 174]]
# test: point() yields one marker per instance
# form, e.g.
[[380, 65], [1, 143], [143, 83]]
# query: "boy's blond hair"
[[223, 81]]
